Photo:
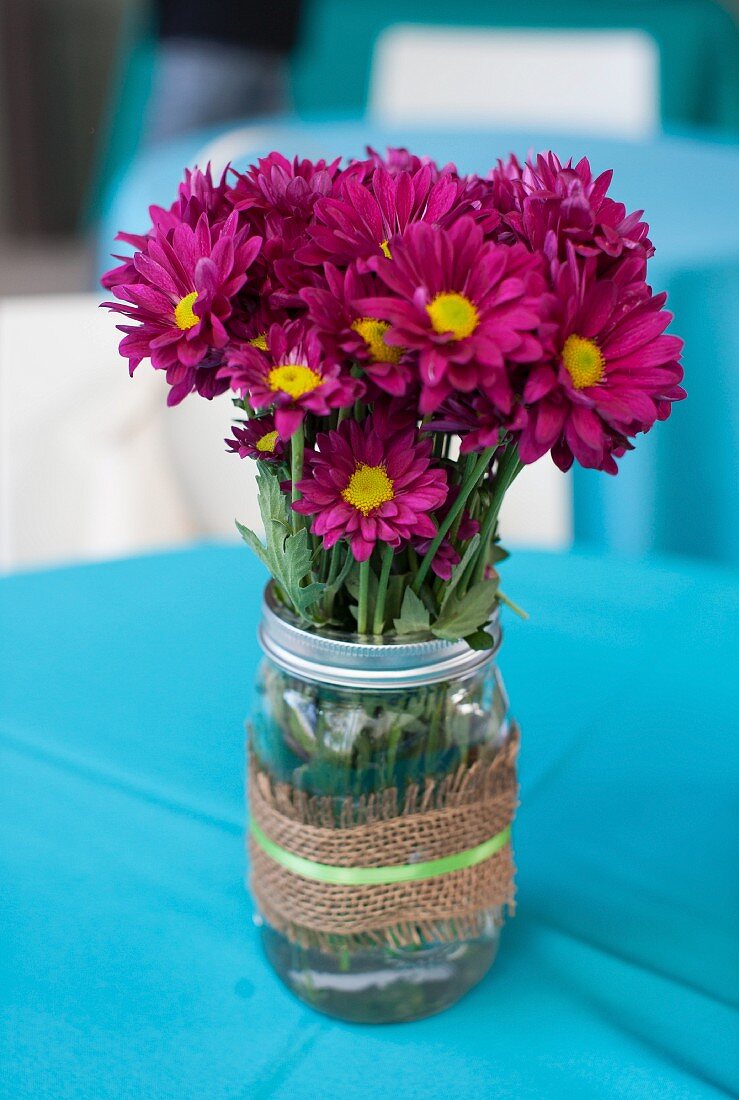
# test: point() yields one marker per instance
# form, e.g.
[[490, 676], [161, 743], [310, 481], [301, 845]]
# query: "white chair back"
[[90, 469], [604, 82]]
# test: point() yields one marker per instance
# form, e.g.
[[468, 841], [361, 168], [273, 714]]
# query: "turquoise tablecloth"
[[129, 965], [677, 493]]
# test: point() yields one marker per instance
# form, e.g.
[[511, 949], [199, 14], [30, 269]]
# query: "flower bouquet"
[[399, 341]]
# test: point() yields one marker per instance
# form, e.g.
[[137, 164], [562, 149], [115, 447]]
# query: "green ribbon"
[[379, 876]]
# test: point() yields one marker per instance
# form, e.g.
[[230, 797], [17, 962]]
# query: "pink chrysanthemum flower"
[[291, 375], [345, 331], [549, 206], [399, 159], [257, 438], [255, 317], [286, 278], [278, 196], [362, 219], [612, 373], [278, 191], [367, 487], [477, 421], [196, 195], [183, 300], [468, 306], [446, 557]]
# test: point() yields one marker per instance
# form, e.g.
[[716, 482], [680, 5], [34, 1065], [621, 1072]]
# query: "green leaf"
[[459, 568], [342, 575], [414, 617], [394, 600], [286, 555], [465, 615], [480, 640], [498, 553]]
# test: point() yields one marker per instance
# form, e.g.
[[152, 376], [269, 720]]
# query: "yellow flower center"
[[259, 341], [268, 442], [368, 488], [453, 313], [183, 313], [583, 360], [293, 378], [385, 247], [373, 332]]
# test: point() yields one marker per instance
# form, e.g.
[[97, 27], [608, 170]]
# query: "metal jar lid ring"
[[382, 665]]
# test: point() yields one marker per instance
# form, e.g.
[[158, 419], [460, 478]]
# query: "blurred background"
[[102, 105]]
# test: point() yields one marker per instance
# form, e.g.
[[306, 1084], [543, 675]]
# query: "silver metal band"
[[344, 661]]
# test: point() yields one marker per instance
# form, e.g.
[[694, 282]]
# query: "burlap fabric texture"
[[441, 818]]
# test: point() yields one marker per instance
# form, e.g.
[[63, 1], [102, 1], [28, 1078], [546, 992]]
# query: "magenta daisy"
[[182, 302], [398, 159], [276, 190], [476, 420], [446, 557], [278, 196], [468, 306], [255, 317], [257, 438], [548, 205], [345, 330], [612, 373], [197, 195], [361, 220], [366, 486], [291, 375]]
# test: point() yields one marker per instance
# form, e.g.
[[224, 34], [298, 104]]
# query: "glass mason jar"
[[339, 719]]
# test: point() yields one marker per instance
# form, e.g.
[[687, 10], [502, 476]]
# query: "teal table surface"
[[677, 493], [130, 966]]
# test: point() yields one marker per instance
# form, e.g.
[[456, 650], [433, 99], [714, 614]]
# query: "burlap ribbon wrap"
[[459, 820]]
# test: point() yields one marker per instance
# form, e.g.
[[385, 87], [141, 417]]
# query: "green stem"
[[333, 568], [336, 577], [466, 578], [297, 450], [343, 574], [364, 571], [509, 466], [387, 561], [470, 481], [455, 526]]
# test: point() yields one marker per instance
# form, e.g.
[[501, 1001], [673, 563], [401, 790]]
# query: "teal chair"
[[698, 43]]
